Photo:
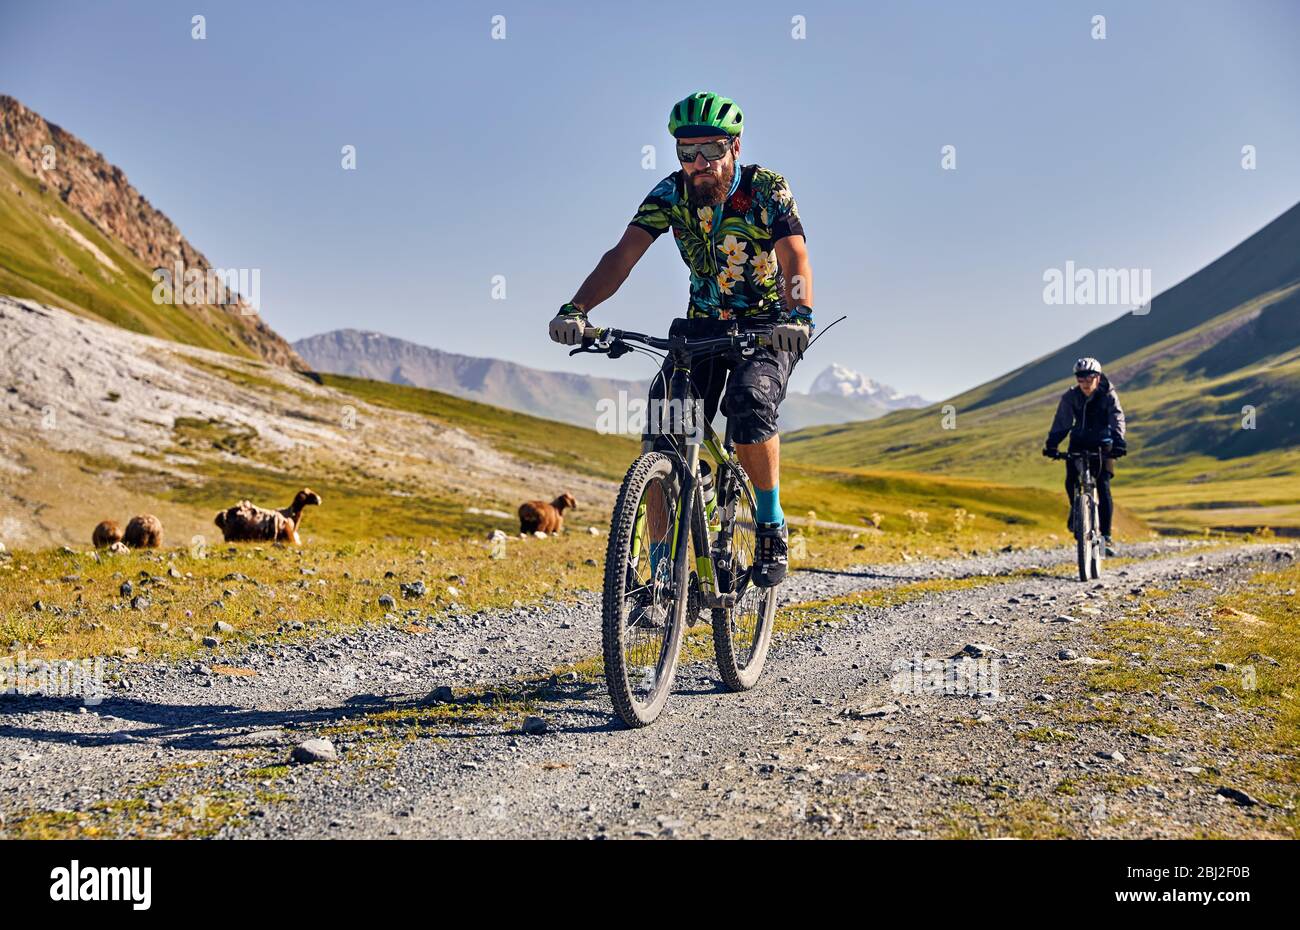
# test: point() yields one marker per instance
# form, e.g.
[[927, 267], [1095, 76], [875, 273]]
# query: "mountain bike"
[[1085, 513], [671, 502]]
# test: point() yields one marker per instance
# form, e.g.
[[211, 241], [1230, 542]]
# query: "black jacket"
[[1089, 421]]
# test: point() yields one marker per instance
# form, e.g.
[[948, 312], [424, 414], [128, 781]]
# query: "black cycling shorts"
[[750, 389]]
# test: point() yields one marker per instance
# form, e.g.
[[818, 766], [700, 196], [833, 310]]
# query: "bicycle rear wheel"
[[742, 633], [644, 605]]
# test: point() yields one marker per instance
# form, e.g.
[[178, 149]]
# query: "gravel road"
[[828, 744]]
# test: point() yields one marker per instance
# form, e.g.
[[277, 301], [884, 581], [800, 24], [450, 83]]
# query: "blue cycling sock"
[[769, 505]]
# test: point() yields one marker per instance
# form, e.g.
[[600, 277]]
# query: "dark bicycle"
[[669, 503], [1085, 513]]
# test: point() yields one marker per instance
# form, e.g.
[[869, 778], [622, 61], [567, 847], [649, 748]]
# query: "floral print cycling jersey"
[[728, 248]]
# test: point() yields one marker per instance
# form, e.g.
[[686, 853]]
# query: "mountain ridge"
[[43, 260], [568, 397], [1212, 398], [1267, 260]]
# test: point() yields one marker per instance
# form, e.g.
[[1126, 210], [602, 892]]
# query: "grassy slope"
[[569, 447], [853, 496], [1193, 464], [368, 509], [842, 495], [40, 261]]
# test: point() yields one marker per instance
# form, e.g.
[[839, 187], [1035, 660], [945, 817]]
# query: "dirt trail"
[[801, 755]]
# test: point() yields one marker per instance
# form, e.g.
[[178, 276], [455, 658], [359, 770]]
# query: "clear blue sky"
[[523, 157]]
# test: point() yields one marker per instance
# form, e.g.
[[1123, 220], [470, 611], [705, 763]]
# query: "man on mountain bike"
[[1090, 413], [738, 230]]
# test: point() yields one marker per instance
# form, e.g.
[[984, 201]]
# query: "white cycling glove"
[[790, 337], [568, 326]]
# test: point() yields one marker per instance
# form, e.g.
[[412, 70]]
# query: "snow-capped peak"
[[845, 382]]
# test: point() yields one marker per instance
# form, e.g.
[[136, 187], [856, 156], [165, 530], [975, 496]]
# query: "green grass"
[[1260, 635], [853, 495], [1257, 633], [351, 508], [1012, 818], [534, 439], [289, 592], [130, 818]]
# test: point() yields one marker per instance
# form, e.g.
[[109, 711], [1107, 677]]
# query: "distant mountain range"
[[838, 395]]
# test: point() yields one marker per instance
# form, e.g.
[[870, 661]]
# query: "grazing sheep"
[[106, 534], [144, 532], [246, 522], [304, 498], [537, 516]]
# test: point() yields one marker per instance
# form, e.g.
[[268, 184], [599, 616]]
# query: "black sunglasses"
[[712, 151]]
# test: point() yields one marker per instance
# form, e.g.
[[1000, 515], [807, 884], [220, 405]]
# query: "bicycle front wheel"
[[1083, 536], [1098, 548], [644, 605], [742, 633]]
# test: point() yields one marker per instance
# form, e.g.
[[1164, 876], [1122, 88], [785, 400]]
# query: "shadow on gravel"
[[226, 726], [583, 705], [179, 726], [702, 689], [847, 574]]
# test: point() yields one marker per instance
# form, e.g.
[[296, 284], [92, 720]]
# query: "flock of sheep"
[[246, 522]]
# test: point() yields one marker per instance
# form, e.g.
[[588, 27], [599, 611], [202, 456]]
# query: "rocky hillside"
[[78, 234], [99, 422]]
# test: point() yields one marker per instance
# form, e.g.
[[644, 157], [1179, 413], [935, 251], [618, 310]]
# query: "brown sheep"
[[144, 532], [246, 522], [106, 534], [535, 516], [304, 498]]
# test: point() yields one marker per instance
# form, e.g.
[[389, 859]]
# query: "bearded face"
[[708, 182]]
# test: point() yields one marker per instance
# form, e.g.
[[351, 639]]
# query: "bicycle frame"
[[1086, 487], [690, 529]]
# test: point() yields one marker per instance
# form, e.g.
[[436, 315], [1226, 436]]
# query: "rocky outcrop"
[[100, 192]]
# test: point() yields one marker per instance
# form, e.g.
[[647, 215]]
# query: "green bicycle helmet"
[[705, 114]]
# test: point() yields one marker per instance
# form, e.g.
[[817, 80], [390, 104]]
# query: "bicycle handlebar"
[[1058, 454], [602, 340]]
